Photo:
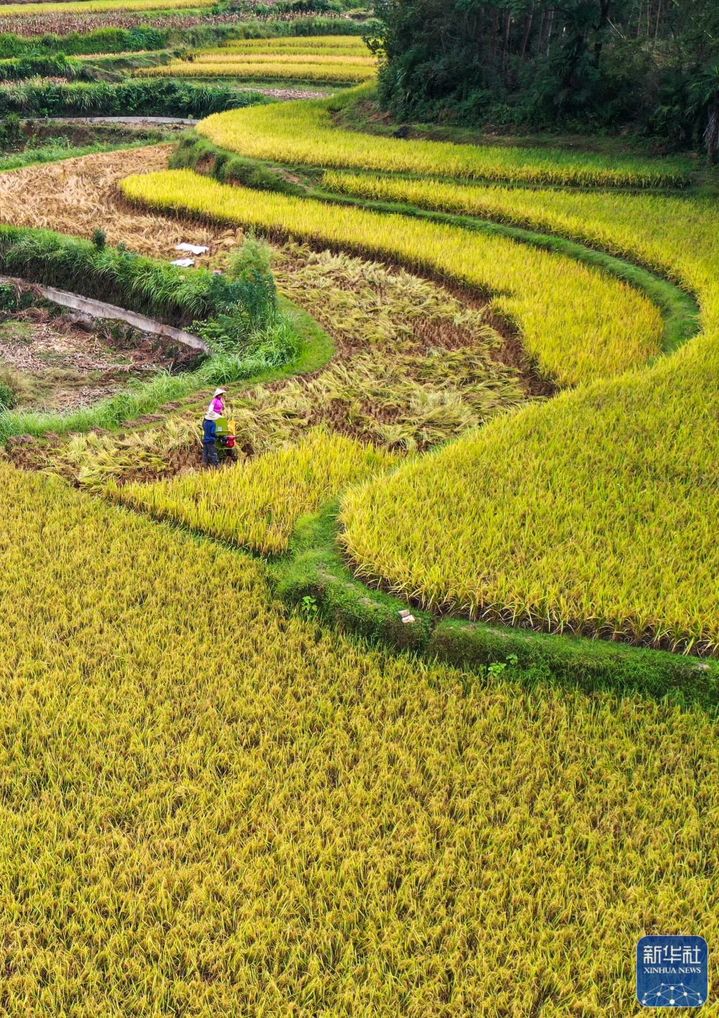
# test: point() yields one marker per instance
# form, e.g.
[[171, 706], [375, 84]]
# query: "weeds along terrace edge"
[[654, 615]]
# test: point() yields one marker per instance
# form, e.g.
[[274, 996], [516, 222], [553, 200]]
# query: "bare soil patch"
[[53, 362]]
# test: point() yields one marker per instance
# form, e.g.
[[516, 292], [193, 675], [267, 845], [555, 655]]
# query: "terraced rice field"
[[580, 324], [575, 497], [306, 135], [340, 59], [214, 805], [258, 503], [61, 7], [229, 808]]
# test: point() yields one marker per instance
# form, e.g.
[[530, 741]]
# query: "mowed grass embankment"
[[209, 806]]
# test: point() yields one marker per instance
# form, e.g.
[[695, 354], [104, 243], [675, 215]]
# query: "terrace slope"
[[594, 513]]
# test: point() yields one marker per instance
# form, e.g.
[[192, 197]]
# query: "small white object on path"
[[183, 263], [193, 249]]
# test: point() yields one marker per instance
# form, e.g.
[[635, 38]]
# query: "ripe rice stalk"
[[257, 503], [285, 57], [571, 499], [579, 323], [265, 70], [305, 133], [298, 42], [228, 800]]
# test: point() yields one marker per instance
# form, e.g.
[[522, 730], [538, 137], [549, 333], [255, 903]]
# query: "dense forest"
[[647, 65]]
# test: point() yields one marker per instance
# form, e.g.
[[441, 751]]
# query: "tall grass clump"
[[134, 97], [111, 274]]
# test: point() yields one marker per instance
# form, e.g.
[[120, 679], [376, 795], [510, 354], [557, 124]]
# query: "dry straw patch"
[[76, 196]]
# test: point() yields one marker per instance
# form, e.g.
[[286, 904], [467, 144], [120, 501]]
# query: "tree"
[[704, 98], [634, 63]]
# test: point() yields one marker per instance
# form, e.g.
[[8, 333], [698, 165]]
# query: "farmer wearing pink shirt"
[[217, 405], [215, 410]]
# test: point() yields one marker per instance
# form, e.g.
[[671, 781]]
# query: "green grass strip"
[[316, 580]]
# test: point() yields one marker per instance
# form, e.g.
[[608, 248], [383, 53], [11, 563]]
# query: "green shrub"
[[11, 135], [134, 97], [8, 298], [249, 302], [39, 66], [253, 284]]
